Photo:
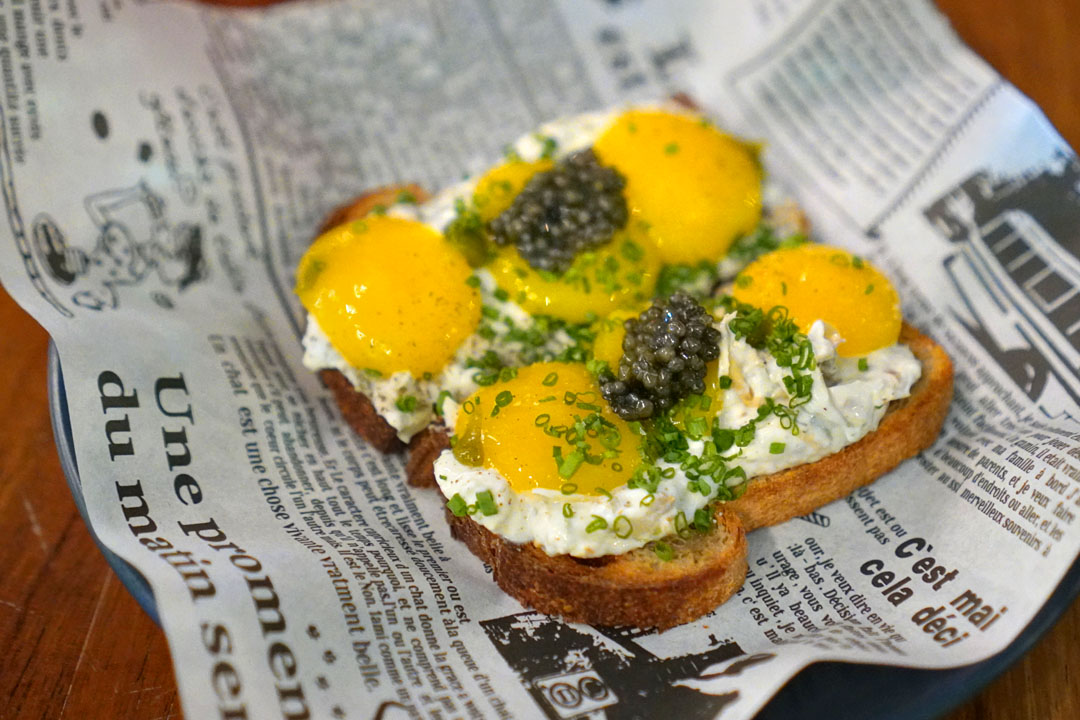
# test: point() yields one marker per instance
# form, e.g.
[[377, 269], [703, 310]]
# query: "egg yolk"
[[498, 187], [620, 274], [698, 188], [609, 333], [818, 282], [547, 428], [390, 294]]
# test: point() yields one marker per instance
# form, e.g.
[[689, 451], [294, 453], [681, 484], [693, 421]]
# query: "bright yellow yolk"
[[390, 294], [818, 282], [514, 427], [610, 331], [620, 274], [498, 187], [698, 188]]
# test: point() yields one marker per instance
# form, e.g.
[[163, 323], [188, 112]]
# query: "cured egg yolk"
[[498, 187], [548, 428], [609, 333], [698, 188], [390, 294], [620, 274], [818, 282]]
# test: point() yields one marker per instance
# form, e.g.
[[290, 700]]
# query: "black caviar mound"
[[578, 205], [664, 355]]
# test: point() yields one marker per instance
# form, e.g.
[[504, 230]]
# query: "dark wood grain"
[[74, 644]]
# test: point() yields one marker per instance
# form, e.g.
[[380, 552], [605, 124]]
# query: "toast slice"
[[910, 426], [636, 588], [639, 589]]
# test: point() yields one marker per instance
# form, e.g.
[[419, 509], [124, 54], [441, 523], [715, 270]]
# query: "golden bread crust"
[[361, 205], [910, 426], [636, 588]]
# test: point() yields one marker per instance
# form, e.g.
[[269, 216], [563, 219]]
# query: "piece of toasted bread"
[[636, 588], [910, 426]]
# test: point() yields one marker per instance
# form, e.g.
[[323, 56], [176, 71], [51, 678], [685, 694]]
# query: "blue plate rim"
[[824, 689]]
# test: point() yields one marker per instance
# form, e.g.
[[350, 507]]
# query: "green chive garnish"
[[776, 448], [622, 527], [597, 523], [663, 551], [457, 505], [485, 502]]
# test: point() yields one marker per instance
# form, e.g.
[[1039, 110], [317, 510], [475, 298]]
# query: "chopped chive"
[[501, 295], [724, 439], [570, 464], [504, 398], [744, 281], [622, 527], [405, 403], [443, 394], [697, 427], [567, 510], [725, 382], [372, 372], [549, 398], [485, 502], [776, 448], [663, 551], [489, 312], [568, 488], [682, 528], [863, 364], [457, 505], [856, 262], [542, 419], [472, 281], [647, 500], [869, 289], [603, 491], [550, 379], [671, 148], [597, 523], [702, 519]]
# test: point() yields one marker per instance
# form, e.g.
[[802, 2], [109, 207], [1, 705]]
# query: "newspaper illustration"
[[164, 166]]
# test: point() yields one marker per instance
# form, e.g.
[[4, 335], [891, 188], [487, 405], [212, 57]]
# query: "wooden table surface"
[[74, 644]]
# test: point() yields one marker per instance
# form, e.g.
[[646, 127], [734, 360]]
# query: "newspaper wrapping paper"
[[165, 165]]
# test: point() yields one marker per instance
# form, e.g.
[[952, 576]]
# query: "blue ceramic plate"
[[825, 690]]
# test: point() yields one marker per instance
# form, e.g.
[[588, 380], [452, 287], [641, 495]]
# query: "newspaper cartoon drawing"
[[1019, 265], [135, 241], [578, 671]]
